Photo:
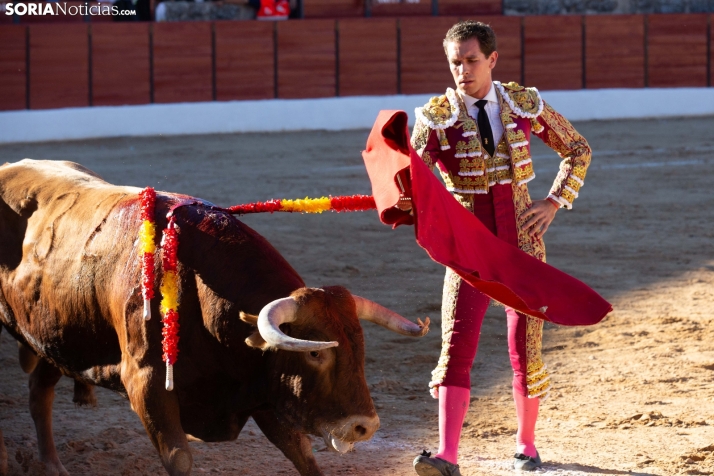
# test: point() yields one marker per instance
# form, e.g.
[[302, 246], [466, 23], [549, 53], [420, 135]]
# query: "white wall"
[[324, 114]]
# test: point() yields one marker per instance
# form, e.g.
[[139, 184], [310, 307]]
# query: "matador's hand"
[[538, 218]]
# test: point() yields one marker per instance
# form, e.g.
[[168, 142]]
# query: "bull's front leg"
[[43, 379], [294, 445], [158, 410]]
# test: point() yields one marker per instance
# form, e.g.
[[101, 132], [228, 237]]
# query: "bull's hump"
[[45, 180]]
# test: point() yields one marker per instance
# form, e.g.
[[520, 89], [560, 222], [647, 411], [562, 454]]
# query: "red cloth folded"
[[454, 237]]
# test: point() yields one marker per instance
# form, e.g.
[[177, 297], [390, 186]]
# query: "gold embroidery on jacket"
[[426, 158], [574, 150], [420, 135]]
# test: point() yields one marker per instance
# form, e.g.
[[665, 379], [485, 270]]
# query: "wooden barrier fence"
[[45, 66]]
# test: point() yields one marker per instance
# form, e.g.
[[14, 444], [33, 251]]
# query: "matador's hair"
[[469, 29]]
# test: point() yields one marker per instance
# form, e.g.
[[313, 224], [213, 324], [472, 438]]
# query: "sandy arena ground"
[[633, 395]]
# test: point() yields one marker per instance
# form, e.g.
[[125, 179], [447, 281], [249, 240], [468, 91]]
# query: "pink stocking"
[[453, 405], [527, 412]]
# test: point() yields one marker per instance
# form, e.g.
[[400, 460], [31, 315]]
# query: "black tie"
[[484, 127]]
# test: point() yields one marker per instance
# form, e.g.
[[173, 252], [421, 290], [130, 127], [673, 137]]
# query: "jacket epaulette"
[[525, 102], [441, 112]]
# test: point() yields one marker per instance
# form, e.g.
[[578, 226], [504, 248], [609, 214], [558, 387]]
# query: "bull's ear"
[[256, 341], [249, 318]]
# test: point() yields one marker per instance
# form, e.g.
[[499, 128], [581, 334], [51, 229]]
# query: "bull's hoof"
[[522, 462], [424, 465]]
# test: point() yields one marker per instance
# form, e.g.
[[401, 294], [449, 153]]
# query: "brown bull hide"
[[69, 291]]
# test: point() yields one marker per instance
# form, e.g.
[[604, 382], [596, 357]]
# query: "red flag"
[[454, 237]]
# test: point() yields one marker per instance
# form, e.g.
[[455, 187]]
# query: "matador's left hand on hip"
[[538, 218]]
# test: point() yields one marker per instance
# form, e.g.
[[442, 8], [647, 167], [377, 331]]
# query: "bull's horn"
[[278, 312], [373, 312]]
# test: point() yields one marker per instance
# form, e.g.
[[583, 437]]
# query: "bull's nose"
[[358, 428]]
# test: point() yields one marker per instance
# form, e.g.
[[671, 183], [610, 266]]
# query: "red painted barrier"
[[508, 43], [367, 57], [203, 61], [553, 52], [13, 67], [183, 70], [59, 66], [120, 69], [245, 60], [306, 59], [615, 51], [424, 67], [677, 50], [470, 9]]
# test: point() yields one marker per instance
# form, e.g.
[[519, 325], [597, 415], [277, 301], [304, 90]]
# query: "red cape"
[[454, 237]]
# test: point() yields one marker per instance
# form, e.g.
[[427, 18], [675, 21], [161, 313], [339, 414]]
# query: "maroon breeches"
[[496, 211]]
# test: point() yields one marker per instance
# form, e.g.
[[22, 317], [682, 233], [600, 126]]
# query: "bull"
[[254, 341]]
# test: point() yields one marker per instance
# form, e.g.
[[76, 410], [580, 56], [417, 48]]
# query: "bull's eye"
[[314, 354]]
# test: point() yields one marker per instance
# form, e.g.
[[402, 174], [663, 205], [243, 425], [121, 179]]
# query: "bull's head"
[[325, 366]]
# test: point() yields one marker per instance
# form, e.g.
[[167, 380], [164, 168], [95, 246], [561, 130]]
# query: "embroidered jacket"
[[446, 136]]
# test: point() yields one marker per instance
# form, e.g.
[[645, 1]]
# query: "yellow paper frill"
[[147, 234], [169, 292], [306, 205]]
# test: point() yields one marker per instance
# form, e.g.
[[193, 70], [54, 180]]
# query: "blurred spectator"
[[271, 9]]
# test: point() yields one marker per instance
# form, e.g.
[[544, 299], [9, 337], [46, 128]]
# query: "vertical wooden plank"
[[245, 60], [13, 67], [424, 67], [306, 59], [615, 51], [120, 63], [472, 9], [368, 56], [677, 50], [554, 52], [183, 70], [711, 51], [508, 44], [333, 8], [59, 66]]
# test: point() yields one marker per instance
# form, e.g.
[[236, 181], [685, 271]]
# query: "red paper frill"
[[352, 203], [170, 247], [148, 199], [147, 275], [171, 338]]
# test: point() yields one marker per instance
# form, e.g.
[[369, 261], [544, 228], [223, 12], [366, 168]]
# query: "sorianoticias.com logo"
[[61, 8]]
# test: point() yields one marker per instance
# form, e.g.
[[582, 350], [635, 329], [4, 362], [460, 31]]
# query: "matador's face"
[[470, 68]]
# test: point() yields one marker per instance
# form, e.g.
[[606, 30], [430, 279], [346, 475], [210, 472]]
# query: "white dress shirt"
[[493, 111]]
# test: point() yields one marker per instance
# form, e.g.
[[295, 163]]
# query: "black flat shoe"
[[424, 465], [522, 462]]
